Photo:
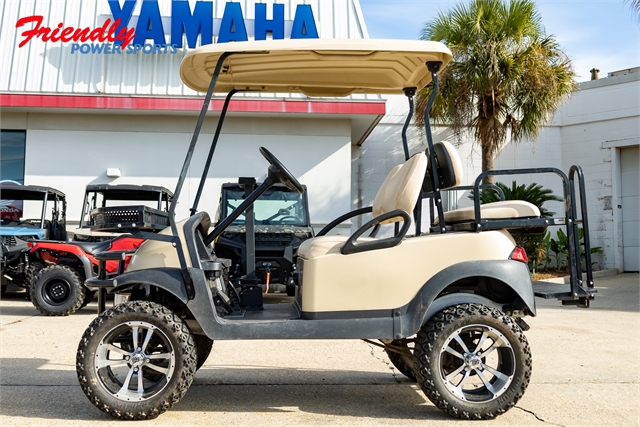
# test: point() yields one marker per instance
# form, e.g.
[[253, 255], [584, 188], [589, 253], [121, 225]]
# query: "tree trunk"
[[487, 165]]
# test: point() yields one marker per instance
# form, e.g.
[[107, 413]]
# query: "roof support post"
[[410, 92], [214, 143], [434, 67]]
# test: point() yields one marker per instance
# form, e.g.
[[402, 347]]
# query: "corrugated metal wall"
[[47, 67]]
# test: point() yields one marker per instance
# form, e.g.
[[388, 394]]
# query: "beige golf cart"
[[448, 305]]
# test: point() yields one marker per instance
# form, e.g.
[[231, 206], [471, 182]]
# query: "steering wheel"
[[281, 173], [295, 218]]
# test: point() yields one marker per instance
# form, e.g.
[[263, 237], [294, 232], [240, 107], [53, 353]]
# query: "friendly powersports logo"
[[124, 33]]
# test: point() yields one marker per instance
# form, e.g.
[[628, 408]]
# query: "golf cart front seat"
[[395, 199], [449, 169]]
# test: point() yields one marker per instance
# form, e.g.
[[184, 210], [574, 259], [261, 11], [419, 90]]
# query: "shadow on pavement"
[[55, 394], [616, 293]]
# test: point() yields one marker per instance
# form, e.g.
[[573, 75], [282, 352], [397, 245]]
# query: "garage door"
[[630, 171]]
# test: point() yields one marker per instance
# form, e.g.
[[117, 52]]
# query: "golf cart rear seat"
[[396, 197], [449, 169]]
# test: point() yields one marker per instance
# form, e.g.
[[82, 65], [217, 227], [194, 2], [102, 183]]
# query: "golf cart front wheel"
[[474, 361], [122, 347]]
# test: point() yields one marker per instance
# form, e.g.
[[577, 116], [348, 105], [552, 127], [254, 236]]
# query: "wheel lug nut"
[[135, 369], [138, 349], [127, 358]]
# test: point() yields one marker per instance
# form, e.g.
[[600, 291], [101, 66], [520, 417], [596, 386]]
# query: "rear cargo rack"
[[577, 292]]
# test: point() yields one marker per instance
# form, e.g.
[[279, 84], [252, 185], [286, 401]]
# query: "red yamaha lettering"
[[106, 32]]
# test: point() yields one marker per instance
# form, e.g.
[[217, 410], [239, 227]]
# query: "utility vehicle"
[[461, 291], [281, 225], [17, 230], [109, 212]]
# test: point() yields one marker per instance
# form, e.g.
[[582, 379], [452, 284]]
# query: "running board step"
[[549, 290]]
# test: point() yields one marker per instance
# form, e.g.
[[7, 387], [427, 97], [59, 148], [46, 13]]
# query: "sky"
[[604, 34]]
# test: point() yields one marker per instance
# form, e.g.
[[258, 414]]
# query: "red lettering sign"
[[66, 34]]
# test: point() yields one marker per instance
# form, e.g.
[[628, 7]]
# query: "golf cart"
[[16, 231], [109, 213], [281, 225], [462, 292]]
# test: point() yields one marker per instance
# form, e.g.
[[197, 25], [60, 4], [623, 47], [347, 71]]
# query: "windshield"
[[21, 213], [276, 206]]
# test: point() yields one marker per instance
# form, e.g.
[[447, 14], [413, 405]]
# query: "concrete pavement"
[[586, 371]]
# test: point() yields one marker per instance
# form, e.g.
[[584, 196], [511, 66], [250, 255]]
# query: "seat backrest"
[[401, 187], [448, 167]]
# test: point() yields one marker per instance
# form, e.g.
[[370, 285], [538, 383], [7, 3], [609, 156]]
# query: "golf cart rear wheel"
[[474, 361], [402, 358], [57, 291], [124, 342]]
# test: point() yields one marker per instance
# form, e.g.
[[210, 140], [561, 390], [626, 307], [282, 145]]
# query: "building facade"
[[72, 109], [75, 107]]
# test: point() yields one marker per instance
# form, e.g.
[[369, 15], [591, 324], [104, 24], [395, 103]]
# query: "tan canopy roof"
[[315, 67]]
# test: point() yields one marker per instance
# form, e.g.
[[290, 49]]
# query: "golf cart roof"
[[315, 67], [130, 192], [13, 191]]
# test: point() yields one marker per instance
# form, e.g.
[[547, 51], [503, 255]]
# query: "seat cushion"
[[324, 245], [507, 209], [401, 188]]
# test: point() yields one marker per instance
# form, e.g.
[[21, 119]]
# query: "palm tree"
[[506, 75], [635, 5]]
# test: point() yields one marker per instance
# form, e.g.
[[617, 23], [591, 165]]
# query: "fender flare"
[[426, 303], [168, 279], [63, 247]]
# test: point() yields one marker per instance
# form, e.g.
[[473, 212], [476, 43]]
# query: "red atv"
[[59, 290], [59, 269]]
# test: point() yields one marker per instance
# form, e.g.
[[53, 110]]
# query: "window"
[[12, 144], [277, 205]]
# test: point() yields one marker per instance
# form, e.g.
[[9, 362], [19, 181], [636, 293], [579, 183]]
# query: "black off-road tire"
[[467, 321], [57, 291], [403, 362], [30, 275], [112, 325], [204, 345], [88, 297]]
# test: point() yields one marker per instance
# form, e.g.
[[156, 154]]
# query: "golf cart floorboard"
[[548, 290], [271, 313]]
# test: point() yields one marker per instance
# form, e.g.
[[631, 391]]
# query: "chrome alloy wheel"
[[477, 363], [135, 361]]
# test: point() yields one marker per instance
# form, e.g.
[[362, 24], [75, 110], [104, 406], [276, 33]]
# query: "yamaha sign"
[[122, 32]]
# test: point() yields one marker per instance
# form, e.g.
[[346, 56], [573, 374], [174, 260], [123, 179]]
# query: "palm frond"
[[507, 76]]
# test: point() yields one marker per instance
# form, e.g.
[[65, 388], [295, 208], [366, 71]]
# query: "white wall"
[[603, 116], [52, 68], [68, 152]]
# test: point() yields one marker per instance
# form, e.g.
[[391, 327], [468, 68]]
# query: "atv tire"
[[57, 291], [30, 275], [204, 345], [405, 362], [88, 297], [474, 361], [111, 375]]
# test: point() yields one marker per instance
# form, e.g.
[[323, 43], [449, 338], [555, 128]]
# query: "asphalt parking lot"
[[586, 371]]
